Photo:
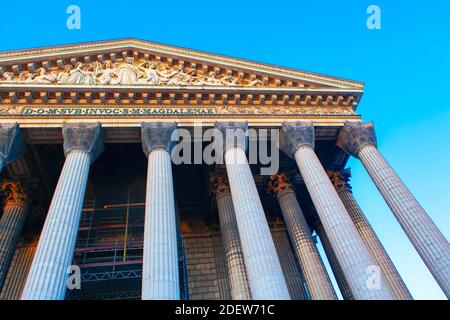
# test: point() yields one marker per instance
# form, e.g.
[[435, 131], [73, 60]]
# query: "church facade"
[[137, 170]]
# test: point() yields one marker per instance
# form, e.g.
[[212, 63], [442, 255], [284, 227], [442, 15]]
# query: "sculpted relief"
[[127, 72], [274, 110]]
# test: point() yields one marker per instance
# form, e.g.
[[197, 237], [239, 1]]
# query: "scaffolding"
[[109, 251]]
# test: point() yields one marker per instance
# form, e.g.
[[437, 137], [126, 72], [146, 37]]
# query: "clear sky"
[[405, 66]]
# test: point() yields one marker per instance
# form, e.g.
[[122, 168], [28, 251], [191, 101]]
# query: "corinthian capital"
[[293, 135], [219, 185], [278, 184], [12, 143], [158, 135], [234, 134], [83, 136], [355, 135], [13, 193], [340, 179]]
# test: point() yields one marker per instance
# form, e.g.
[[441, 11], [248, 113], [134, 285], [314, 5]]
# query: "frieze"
[[37, 111], [276, 110]]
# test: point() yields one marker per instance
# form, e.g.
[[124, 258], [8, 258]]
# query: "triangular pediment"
[[133, 62]]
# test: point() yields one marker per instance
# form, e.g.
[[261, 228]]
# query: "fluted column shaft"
[[425, 236], [348, 246], [11, 225], [316, 277], [232, 246], [264, 272], [337, 270], [263, 267], [47, 278], [49, 271], [359, 140], [160, 279], [297, 140], [160, 274], [379, 255]]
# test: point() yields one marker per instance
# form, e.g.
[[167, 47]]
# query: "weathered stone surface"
[[202, 263], [264, 271], [234, 134], [15, 207], [423, 233], [237, 274], [314, 272], [359, 140], [84, 136], [355, 135], [334, 264], [12, 143], [348, 247], [294, 135], [158, 135], [393, 279]]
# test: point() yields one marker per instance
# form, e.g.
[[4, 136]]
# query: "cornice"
[[25, 94]]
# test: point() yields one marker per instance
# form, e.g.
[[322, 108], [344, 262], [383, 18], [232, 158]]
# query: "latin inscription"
[[86, 111]]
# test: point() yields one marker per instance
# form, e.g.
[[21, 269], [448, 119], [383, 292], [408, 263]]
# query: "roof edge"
[[19, 54]]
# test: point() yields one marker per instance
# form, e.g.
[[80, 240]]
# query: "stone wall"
[[207, 273]]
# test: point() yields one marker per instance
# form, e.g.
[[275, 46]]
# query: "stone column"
[[297, 141], [316, 277], [264, 271], [237, 274], [15, 207], [160, 279], [47, 278], [12, 143], [358, 139], [334, 264], [395, 283]]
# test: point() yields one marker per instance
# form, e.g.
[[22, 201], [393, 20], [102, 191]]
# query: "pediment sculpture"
[[128, 72]]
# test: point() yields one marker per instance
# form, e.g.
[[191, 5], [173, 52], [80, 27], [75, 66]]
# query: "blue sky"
[[405, 66]]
